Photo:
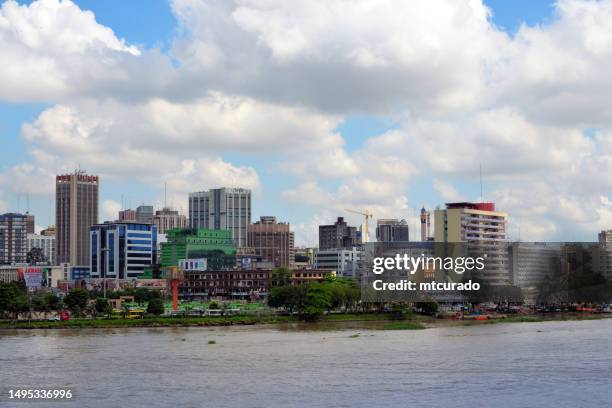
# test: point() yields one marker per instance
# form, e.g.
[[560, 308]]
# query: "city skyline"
[[301, 128]]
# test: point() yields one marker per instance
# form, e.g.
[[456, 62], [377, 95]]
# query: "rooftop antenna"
[[27, 203], [165, 194]]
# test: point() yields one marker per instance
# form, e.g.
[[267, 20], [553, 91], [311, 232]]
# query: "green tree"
[[13, 299], [156, 307], [76, 300], [141, 295], [429, 308], [318, 299], [101, 305]]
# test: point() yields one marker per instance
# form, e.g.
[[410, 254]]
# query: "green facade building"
[[216, 246]]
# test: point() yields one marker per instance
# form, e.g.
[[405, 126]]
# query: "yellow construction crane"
[[367, 214]]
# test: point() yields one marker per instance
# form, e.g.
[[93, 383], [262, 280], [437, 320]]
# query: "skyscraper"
[[272, 241], [13, 238], [337, 235], [30, 223], [76, 209], [222, 208]]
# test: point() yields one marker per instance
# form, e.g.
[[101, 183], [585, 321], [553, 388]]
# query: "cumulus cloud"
[[52, 49], [110, 210], [272, 81]]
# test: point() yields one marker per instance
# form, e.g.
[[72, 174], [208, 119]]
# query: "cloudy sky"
[[317, 106]]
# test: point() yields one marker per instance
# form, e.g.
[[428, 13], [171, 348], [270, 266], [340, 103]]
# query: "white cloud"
[[273, 80], [52, 49], [447, 191], [110, 210]]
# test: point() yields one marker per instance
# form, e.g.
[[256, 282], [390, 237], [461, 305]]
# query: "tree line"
[[15, 300]]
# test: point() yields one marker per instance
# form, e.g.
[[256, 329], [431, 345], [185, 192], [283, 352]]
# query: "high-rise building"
[[144, 214], [222, 208], [337, 235], [392, 230], [127, 215], [122, 250], [46, 244], [167, 219], [13, 238], [30, 223], [425, 224], [480, 230], [272, 241], [76, 210]]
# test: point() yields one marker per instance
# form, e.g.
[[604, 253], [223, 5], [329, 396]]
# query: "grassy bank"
[[383, 321], [147, 322]]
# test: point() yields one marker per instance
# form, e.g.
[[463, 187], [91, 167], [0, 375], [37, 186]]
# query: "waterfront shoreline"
[[385, 321]]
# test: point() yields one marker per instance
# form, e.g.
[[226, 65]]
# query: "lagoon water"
[[556, 364]]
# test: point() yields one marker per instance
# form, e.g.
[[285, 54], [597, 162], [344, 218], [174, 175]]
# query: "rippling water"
[[560, 364]]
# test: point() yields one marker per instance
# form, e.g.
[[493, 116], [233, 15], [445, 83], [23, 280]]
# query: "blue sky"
[[152, 25]]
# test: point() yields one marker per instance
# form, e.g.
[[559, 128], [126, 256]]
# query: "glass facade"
[[122, 250]]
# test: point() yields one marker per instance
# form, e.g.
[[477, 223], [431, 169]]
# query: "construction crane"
[[367, 214]]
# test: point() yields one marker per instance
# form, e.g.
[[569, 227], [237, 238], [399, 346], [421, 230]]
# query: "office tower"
[[337, 235], [13, 238], [222, 208], [167, 219], [425, 224], [30, 223], [144, 214], [122, 250], [272, 241], [392, 230], [481, 230], [76, 209], [127, 215], [45, 243]]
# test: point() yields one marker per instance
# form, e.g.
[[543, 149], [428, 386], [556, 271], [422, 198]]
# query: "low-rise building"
[[239, 284], [344, 261]]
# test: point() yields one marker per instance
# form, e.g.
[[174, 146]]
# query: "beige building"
[[167, 219], [76, 209], [482, 231]]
